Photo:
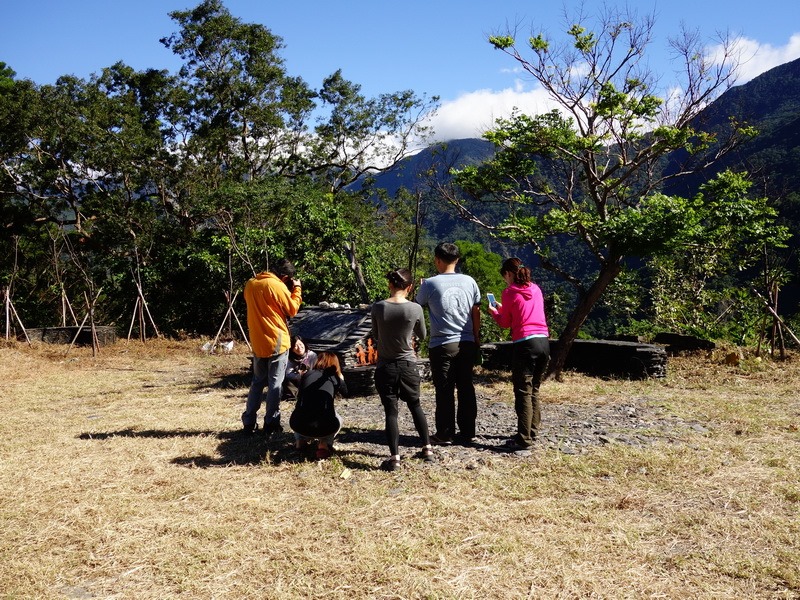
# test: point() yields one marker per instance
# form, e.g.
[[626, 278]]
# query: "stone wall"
[[64, 335], [599, 358]]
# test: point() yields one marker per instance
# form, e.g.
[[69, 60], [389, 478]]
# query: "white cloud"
[[472, 113], [757, 58]]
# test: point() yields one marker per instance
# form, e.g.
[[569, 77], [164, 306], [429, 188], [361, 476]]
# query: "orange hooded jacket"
[[269, 305]]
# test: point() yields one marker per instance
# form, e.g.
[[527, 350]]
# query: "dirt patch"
[[570, 428]]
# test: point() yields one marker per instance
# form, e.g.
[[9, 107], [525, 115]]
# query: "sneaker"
[[390, 464], [464, 440], [426, 454], [517, 444], [323, 453], [441, 441]]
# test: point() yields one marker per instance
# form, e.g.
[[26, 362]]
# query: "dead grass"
[[120, 479]]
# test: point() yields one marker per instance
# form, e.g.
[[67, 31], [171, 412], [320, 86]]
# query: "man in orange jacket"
[[272, 297]]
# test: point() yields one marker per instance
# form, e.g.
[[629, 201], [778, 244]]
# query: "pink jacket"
[[522, 310]]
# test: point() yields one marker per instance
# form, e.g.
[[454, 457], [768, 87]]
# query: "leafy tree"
[[240, 116], [592, 168], [363, 136], [14, 110], [86, 164], [136, 181], [700, 290], [484, 268]]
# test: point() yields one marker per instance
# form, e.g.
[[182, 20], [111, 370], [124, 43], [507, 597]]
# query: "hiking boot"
[[248, 431]]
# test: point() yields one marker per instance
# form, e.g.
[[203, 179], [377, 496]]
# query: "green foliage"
[[501, 42], [657, 225], [703, 287], [538, 44], [187, 184], [484, 267], [584, 42], [622, 302]]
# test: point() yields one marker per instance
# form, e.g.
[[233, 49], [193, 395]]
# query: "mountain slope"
[[770, 103], [435, 160]]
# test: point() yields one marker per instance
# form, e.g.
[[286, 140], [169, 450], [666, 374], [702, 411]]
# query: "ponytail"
[[521, 273]]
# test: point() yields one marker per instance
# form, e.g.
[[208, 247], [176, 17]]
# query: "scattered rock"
[[571, 429]]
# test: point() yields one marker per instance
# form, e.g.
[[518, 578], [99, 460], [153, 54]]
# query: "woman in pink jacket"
[[522, 309]]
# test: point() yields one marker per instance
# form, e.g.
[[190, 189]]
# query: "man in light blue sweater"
[[453, 301]]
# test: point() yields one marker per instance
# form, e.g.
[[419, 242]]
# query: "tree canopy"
[[592, 169], [174, 188], [178, 186]]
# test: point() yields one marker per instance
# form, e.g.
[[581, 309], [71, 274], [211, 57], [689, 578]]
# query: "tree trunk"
[[417, 233], [586, 302], [355, 266]]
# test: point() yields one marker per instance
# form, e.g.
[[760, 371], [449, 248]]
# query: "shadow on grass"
[[234, 447], [238, 448], [231, 381], [146, 433]]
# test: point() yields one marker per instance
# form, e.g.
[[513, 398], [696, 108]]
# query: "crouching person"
[[301, 359], [314, 417]]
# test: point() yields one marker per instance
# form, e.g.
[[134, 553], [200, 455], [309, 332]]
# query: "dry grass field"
[[122, 477]]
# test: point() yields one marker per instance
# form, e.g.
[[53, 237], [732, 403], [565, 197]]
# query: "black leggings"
[[399, 380]]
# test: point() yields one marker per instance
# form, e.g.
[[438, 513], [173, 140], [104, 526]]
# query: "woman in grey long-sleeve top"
[[394, 323]]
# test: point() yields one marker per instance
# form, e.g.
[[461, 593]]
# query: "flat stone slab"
[[599, 358]]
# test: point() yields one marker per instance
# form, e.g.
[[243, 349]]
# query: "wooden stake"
[[777, 317], [133, 317], [224, 319], [80, 327], [9, 310], [147, 309]]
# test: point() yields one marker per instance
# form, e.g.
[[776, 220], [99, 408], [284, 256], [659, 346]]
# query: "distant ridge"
[[770, 102], [413, 171]]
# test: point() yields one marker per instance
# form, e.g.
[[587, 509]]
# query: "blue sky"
[[435, 47]]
